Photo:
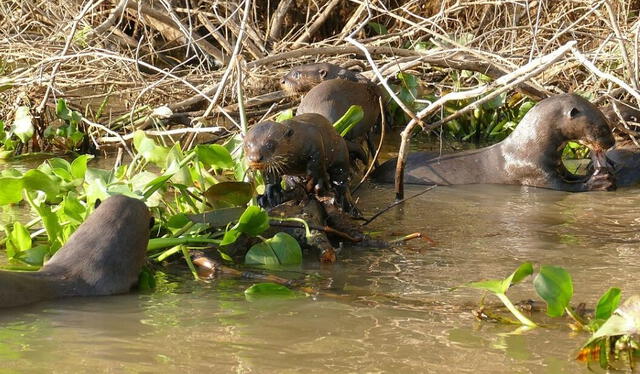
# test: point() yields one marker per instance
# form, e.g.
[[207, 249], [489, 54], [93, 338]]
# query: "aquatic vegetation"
[[615, 330]]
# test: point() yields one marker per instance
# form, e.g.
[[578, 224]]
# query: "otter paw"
[[601, 181], [273, 196]]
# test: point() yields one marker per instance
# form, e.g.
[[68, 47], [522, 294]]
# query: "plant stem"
[[524, 320], [187, 257], [307, 232], [581, 323]]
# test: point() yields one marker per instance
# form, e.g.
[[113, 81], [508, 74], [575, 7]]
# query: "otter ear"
[[323, 73], [573, 113], [288, 133], [152, 222], [97, 203]]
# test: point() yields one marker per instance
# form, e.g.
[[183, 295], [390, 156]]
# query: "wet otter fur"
[[624, 158], [103, 257], [306, 145], [531, 155], [333, 98]]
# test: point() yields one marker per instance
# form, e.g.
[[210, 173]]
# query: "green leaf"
[[146, 280], [62, 111], [281, 249], [269, 291], [500, 286], [408, 80], [229, 194], [180, 175], [148, 148], [378, 28], [492, 285], [155, 184], [23, 124], [351, 117], [284, 115], [254, 221], [11, 191], [554, 285], [523, 271], [34, 256], [230, 237], [79, 166], [51, 223], [624, 321], [608, 303], [214, 155], [35, 180], [20, 237], [73, 208]]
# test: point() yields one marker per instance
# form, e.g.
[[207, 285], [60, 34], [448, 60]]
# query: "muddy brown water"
[[398, 313]]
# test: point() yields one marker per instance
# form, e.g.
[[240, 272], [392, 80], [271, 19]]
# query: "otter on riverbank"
[[531, 155], [307, 146], [333, 98], [103, 257], [303, 78]]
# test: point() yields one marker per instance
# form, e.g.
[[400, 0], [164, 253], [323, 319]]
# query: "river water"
[[397, 312]]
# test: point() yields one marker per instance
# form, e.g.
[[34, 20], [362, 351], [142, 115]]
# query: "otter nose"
[[255, 158]]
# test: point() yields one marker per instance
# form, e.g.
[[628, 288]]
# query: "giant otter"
[[304, 77], [333, 98], [306, 145], [103, 257], [531, 155], [625, 156]]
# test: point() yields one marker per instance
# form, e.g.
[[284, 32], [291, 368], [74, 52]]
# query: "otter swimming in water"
[[531, 155], [103, 256]]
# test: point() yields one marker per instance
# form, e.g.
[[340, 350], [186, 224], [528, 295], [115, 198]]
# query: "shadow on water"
[[400, 315]]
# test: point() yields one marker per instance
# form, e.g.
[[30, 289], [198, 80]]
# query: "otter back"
[[333, 98]]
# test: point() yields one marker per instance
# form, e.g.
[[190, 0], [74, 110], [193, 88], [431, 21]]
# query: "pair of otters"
[[308, 146]]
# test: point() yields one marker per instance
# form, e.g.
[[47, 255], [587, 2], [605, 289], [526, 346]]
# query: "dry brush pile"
[[211, 66]]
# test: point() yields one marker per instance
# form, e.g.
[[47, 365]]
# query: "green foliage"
[[68, 134], [554, 285], [229, 194], [215, 155], [499, 288], [615, 329], [352, 116], [378, 28], [262, 291], [619, 333], [284, 115], [281, 249], [254, 221]]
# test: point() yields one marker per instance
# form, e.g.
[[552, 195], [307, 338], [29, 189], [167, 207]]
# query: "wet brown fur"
[[103, 257], [531, 155]]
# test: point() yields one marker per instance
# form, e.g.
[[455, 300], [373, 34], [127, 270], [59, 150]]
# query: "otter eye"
[[288, 133], [270, 146], [573, 113], [296, 74], [322, 72]]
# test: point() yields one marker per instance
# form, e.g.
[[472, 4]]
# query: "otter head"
[[268, 144], [584, 123], [303, 78]]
